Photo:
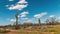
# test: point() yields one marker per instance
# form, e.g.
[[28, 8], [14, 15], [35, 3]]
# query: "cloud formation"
[[13, 20], [29, 21], [22, 1], [25, 18], [19, 5], [40, 15], [52, 16], [23, 14]]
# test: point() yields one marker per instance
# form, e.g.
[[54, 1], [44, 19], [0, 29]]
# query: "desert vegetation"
[[52, 27], [29, 22]]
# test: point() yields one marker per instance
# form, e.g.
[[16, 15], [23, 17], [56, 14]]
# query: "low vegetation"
[[44, 30]]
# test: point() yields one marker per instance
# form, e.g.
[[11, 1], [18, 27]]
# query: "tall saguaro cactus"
[[16, 20], [39, 22]]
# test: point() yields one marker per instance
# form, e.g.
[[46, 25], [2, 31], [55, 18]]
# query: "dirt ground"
[[28, 32]]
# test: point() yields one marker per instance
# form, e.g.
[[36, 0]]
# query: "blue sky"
[[34, 7]]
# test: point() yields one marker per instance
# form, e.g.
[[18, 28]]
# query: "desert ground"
[[55, 29]]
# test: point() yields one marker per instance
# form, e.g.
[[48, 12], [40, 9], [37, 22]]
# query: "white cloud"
[[52, 16], [25, 18], [29, 21], [11, 0], [22, 1], [40, 15], [13, 20], [23, 14], [19, 5], [37, 15]]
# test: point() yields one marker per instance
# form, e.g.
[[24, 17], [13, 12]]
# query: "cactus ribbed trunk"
[[16, 20], [39, 22], [40, 25]]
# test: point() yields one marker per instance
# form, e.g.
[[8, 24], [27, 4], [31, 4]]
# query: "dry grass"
[[54, 30], [28, 32]]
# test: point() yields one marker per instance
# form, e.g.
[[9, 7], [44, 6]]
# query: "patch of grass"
[[55, 30]]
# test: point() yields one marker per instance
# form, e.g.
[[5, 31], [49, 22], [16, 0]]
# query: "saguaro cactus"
[[39, 22], [16, 20]]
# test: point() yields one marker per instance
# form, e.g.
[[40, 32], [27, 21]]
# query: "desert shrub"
[[52, 30], [4, 31], [44, 29]]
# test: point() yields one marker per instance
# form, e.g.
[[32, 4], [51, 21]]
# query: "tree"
[[52, 20], [47, 21]]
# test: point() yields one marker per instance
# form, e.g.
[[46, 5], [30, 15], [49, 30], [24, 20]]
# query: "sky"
[[28, 10]]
